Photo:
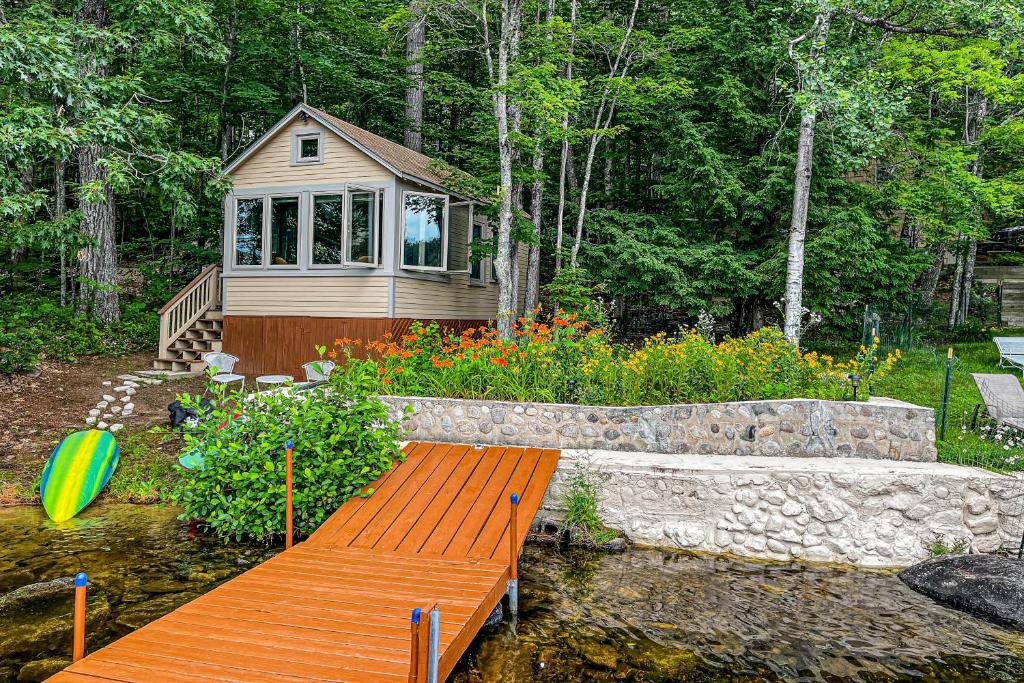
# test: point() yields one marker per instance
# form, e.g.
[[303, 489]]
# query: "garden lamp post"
[[854, 382]]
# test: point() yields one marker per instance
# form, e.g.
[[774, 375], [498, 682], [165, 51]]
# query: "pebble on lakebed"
[[987, 586]]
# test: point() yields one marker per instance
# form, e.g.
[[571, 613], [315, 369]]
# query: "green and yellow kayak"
[[76, 472]]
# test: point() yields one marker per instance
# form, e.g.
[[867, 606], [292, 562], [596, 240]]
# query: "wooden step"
[[172, 365], [214, 314]]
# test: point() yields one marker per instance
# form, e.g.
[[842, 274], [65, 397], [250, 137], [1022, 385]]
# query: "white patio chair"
[[318, 370], [1003, 397], [223, 364], [1011, 351]]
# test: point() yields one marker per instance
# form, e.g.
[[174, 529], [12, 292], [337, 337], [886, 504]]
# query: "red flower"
[[500, 361]]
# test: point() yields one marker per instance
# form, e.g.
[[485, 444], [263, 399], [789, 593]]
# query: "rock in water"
[[985, 585]]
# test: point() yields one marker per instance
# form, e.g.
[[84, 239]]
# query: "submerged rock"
[[62, 589], [41, 669], [985, 585]]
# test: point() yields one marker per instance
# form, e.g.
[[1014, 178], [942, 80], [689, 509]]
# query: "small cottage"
[[331, 231]]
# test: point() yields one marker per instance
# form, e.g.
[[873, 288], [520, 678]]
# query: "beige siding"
[[342, 297], [271, 165], [453, 300]]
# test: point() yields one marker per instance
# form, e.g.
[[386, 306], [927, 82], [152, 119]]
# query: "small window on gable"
[[308, 148]]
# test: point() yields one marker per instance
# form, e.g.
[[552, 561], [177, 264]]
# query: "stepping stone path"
[[117, 401]]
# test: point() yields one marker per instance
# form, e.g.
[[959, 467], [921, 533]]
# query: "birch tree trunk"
[[958, 282], [972, 134], [414, 41], [508, 45], [97, 262], [532, 298], [600, 128], [59, 210], [931, 276], [808, 84], [564, 164]]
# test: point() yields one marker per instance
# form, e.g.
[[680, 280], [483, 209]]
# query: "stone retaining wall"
[[873, 513], [877, 429]]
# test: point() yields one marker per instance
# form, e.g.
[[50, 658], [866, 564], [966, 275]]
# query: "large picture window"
[[424, 231], [284, 231], [362, 228], [328, 228], [249, 232]]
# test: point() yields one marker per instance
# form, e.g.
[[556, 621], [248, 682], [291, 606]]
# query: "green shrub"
[[19, 351], [343, 441], [579, 498], [34, 327]]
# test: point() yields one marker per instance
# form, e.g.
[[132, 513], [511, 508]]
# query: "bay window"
[[424, 238]]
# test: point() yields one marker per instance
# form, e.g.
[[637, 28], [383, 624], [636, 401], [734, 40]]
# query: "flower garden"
[[567, 360]]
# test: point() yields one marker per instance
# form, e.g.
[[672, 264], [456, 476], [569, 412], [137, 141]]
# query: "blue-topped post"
[[78, 639], [513, 556], [416, 650], [288, 531], [434, 645]]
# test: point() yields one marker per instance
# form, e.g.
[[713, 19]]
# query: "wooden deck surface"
[[337, 607]]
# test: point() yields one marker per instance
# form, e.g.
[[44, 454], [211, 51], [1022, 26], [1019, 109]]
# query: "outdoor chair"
[[223, 365], [1003, 397], [318, 370], [1011, 351]]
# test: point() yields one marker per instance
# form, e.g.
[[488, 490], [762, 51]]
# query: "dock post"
[[288, 531], [513, 557], [78, 639], [417, 660], [434, 646]]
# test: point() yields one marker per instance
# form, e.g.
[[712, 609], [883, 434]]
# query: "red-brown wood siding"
[[281, 344]]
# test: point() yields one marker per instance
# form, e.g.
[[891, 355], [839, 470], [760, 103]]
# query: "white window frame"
[[263, 234], [444, 235], [312, 227], [347, 229], [306, 134], [267, 231]]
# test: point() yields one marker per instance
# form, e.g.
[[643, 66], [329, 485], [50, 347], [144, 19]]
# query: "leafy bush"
[[33, 327], [343, 441], [19, 351], [579, 498], [567, 361]]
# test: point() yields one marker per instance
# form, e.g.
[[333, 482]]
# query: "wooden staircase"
[[191, 324]]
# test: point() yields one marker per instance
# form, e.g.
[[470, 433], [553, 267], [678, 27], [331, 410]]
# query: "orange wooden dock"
[[436, 531]]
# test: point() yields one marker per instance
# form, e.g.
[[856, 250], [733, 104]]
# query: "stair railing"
[[188, 306]]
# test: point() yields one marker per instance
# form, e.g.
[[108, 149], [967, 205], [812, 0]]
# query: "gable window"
[[328, 228], [361, 236], [308, 147], [284, 231], [249, 232], [424, 238]]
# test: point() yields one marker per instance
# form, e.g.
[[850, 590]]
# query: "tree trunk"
[[969, 259], [958, 283], [226, 131], [59, 210], [600, 126], [972, 133], [564, 164], [798, 230], [931, 276], [818, 34], [97, 261], [414, 41], [508, 46], [532, 298]]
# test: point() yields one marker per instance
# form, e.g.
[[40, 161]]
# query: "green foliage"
[[33, 327], [939, 546], [343, 439], [566, 362], [579, 497]]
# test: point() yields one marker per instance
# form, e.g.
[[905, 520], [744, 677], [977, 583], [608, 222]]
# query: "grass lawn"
[[919, 378]]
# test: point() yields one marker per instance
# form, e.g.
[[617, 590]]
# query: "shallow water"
[[641, 616], [649, 615]]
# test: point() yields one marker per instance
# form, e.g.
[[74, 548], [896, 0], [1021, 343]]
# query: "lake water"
[[643, 615]]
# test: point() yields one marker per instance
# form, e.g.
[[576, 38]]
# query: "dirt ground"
[[37, 410]]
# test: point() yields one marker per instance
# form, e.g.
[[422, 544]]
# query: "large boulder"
[[984, 585]]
